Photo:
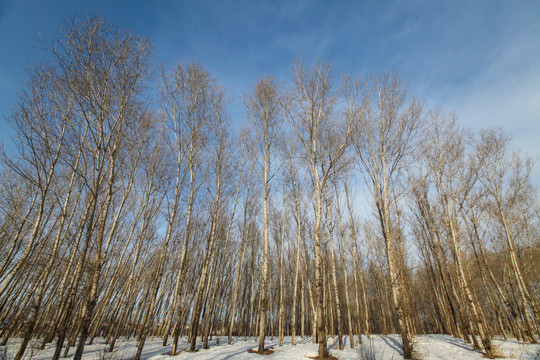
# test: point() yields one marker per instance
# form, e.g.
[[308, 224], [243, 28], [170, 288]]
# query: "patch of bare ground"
[[416, 355], [495, 354], [266, 351], [331, 357]]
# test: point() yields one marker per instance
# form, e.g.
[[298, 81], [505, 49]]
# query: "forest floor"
[[377, 347]]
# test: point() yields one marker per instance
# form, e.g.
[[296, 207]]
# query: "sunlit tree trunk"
[[345, 272], [334, 271], [385, 140]]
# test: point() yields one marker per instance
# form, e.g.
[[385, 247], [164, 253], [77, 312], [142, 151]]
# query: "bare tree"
[[291, 177], [89, 111], [264, 113], [116, 220], [384, 146], [41, 123], [190, 98], [323, 134], [505, 177], [248, 213], [454, 177], [220, 158]]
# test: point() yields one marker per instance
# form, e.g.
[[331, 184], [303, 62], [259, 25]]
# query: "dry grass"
[[495, 354]]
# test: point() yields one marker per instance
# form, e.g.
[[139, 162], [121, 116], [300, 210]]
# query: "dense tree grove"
[[130, 208]]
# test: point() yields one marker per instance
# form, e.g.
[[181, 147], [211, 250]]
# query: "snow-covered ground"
[[377, 347]]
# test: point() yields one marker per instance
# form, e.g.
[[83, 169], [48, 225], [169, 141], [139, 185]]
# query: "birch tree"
[[41, 122], [190, 99], [103, 70], [505, 177], [264, 114], [322, 132], [220, 159], [386, 139], [455, 175]]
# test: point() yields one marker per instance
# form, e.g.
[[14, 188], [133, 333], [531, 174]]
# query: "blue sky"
[[478, 58]]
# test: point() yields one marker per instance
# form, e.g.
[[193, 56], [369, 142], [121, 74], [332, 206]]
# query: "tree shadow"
[[332, 345], [460, 343], [393, 343]]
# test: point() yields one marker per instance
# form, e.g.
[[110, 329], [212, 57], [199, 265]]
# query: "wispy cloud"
[[480, 59]]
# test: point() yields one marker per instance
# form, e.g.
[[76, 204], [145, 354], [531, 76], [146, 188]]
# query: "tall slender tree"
[[265, 117], [322, 133], [385, 141]]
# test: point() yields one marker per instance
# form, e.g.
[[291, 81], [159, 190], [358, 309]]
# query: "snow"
[[376, 347]]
